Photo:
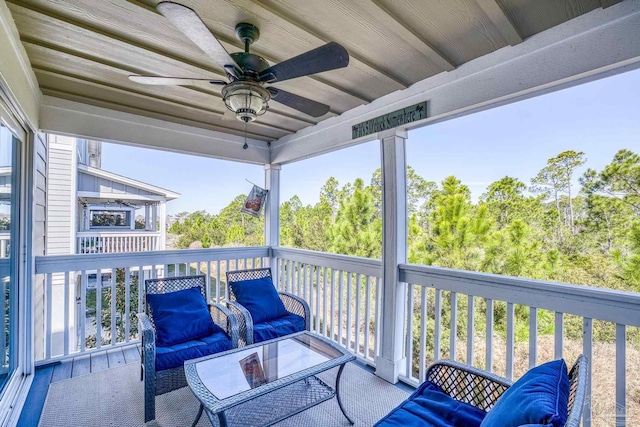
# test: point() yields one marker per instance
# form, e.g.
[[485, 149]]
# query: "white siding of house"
[[61, 203], [87, 182], [39, 240]]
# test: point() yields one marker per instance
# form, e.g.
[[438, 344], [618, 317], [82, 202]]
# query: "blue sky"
[[598, 118]]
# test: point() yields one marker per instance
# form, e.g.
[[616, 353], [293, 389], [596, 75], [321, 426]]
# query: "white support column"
[[163, 226], [391, 360], [147, 226], [154, 217], [272, 213]]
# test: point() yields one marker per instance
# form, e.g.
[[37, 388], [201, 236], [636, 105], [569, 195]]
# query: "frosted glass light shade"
[[246, 100]]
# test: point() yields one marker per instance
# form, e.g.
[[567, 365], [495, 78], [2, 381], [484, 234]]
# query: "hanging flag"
[[254, 202]]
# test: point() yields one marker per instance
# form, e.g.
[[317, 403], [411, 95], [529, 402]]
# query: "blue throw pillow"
[[180, 316], [540, 397], [260, 297]]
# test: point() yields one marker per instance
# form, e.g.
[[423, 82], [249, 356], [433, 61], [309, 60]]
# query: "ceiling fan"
[[245, 94]]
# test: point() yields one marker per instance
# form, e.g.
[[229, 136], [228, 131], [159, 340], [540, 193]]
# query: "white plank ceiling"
[[83, 50]]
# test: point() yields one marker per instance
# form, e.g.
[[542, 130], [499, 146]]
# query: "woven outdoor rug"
[[114, 397]]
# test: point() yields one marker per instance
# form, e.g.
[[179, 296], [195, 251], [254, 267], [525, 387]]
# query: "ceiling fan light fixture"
[[247, 100]]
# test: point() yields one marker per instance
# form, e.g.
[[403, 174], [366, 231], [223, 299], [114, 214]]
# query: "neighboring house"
[[91, 211]]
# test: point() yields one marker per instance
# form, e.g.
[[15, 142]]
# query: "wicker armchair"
[[292, 303], [157, 382], [482, 389]]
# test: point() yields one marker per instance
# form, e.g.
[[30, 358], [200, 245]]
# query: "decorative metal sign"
[[390, 120]]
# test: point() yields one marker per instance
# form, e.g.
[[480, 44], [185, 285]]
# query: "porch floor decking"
[[81, 392]]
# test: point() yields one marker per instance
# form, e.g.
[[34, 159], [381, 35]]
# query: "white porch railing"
[[80, 302], [431, 288], [109, 242], [343, 293], [5, 241]]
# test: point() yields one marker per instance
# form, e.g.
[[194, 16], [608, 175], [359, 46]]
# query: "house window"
[[109, 218]]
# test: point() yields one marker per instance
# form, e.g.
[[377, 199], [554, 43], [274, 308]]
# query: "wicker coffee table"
[[264, 383]]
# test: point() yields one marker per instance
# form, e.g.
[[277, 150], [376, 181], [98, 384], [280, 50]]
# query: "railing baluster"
[[533, 336], [349, 300], [141, 288], [340, 306], [83, 310], [409, 337], [357, 320], [333, 297], [378, 315], [510, 339], [587, 350], [48, 316], [297, 277], [67, 313], [317, 317], [489, 336], [621, 375], [367, 316], [559, 335], [99, 308], [308, 284], [325, 292], [113, 307], [453, 339], [438, 324], [226, 290], [470, 328], [127, 304], [423, 334]]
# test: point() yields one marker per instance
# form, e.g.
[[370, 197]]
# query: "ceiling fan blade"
[[324, 58], [190, 24], [300, 103], [175, 81]]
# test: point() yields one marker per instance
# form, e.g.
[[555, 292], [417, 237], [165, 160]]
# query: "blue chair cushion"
[[277, 328], [429, 406], [260, 297], [180, 316], [540, 397], [175, 355]]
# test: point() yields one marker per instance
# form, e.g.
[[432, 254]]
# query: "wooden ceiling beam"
[[356, 60], [502, 22], [423, 46], [215, 73], [88, 100], [119, 68], [127, 91]]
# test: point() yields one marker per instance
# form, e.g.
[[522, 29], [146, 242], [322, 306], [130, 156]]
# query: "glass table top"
[[230, 374]]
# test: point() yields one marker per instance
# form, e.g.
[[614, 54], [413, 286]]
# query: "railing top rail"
[[62, 263], [127, 233], [596, 303], [353, 264]]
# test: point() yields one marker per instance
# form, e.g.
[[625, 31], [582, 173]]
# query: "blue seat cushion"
[[175, 355], [540, 397], [277, 328], [260, 297], [180, 316], [429, 406]]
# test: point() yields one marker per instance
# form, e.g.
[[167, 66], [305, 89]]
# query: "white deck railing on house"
[[344, 295], [73, 313], [108, 242], [430, 288], [5, 240]]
